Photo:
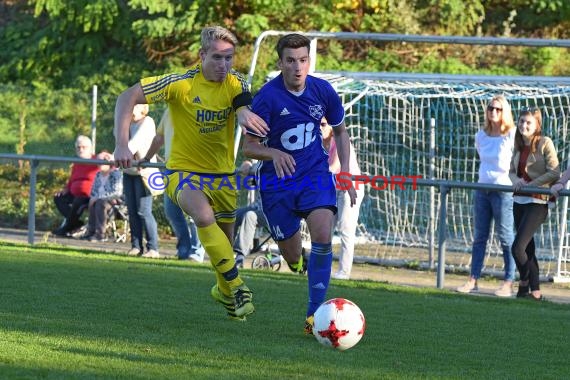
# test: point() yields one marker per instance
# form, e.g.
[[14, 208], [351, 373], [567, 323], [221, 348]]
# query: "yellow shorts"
[[220, 189]]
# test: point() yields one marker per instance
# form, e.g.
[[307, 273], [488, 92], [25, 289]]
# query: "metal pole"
[[94, 118], [431, 193], [442, 235], [32, 204]]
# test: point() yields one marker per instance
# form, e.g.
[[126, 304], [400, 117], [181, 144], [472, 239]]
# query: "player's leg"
[[320, 223]]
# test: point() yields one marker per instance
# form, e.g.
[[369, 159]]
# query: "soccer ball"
[[338, 323]]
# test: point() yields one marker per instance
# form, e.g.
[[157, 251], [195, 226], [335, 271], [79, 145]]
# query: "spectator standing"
[[188, 245], [347, 215], [74, 198], [535, 163], [248, 218], [137, 196], [494, 144]]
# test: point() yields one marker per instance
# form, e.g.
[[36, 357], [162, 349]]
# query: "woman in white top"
[[137, 196], [494, 145]]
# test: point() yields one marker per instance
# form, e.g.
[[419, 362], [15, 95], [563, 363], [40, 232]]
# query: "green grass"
[[69, 313]]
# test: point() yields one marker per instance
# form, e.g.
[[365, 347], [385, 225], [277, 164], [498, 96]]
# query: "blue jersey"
[[294, 127]]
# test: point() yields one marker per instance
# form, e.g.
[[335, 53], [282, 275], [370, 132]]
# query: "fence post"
[[443, 190], [431, 193], [32, 202]]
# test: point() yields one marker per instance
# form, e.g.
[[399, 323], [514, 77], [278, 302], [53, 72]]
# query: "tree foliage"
[[54, 51]]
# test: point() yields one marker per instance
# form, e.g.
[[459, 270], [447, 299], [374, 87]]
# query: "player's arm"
[[342, 142], [123, 116], [283, 162], [155, 145]]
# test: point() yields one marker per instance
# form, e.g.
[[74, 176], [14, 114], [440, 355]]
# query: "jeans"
[[497, 206], [185, 232], [139, 206]]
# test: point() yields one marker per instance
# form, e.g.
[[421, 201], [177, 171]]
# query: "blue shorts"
[[284, 209]]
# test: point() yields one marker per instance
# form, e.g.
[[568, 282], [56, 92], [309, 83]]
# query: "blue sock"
[[319, 274]]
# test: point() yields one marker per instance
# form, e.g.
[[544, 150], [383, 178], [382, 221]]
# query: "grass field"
[[68, 313]]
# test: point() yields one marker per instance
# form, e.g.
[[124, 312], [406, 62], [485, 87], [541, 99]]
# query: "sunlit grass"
[[70, 313]]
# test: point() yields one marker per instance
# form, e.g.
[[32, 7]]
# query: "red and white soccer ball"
[[338, 323]]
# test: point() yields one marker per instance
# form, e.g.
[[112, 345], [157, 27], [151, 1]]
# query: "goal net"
[[390, 124]]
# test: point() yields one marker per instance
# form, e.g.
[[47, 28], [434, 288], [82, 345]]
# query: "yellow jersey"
[[203, 118]]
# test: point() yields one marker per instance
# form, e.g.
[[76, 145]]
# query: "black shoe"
[[61, 231], [523, 292]]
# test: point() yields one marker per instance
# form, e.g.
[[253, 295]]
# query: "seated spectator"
[[107, 191], [248, 218], [74, 197]]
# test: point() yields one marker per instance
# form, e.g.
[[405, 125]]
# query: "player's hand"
[[556, 189], [283, 163], [249, 120], [123, 157], [519, 184]]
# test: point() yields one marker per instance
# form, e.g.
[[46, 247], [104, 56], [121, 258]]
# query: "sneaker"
[[468, 287], [340, 275], [309, 323], [506, 290], [134, 252], [97, 239], [227, 302], [196, 257], [242, 300], [240, 258], [151, 254]]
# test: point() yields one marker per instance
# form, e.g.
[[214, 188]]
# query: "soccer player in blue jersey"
[[294, 177]]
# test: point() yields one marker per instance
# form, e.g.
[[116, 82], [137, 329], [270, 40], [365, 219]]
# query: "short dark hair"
[[292, 41]]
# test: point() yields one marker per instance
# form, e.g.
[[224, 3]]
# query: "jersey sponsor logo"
[[316, 112], [208, 115], [299, 137], [285, 112], [214, 128], [197, 100]]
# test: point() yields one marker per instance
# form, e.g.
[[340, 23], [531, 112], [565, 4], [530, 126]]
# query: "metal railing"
[[444, 187]]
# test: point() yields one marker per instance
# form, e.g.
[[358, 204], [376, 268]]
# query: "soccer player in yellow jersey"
[[203, 104]]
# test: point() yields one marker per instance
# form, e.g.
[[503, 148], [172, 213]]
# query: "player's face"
[[218, 60], [294, 66], [527, 126]]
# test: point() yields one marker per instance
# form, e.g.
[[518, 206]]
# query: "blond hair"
[[507, 122], [212, 33]]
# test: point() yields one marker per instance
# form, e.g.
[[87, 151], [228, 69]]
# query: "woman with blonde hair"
[[494, 143]]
